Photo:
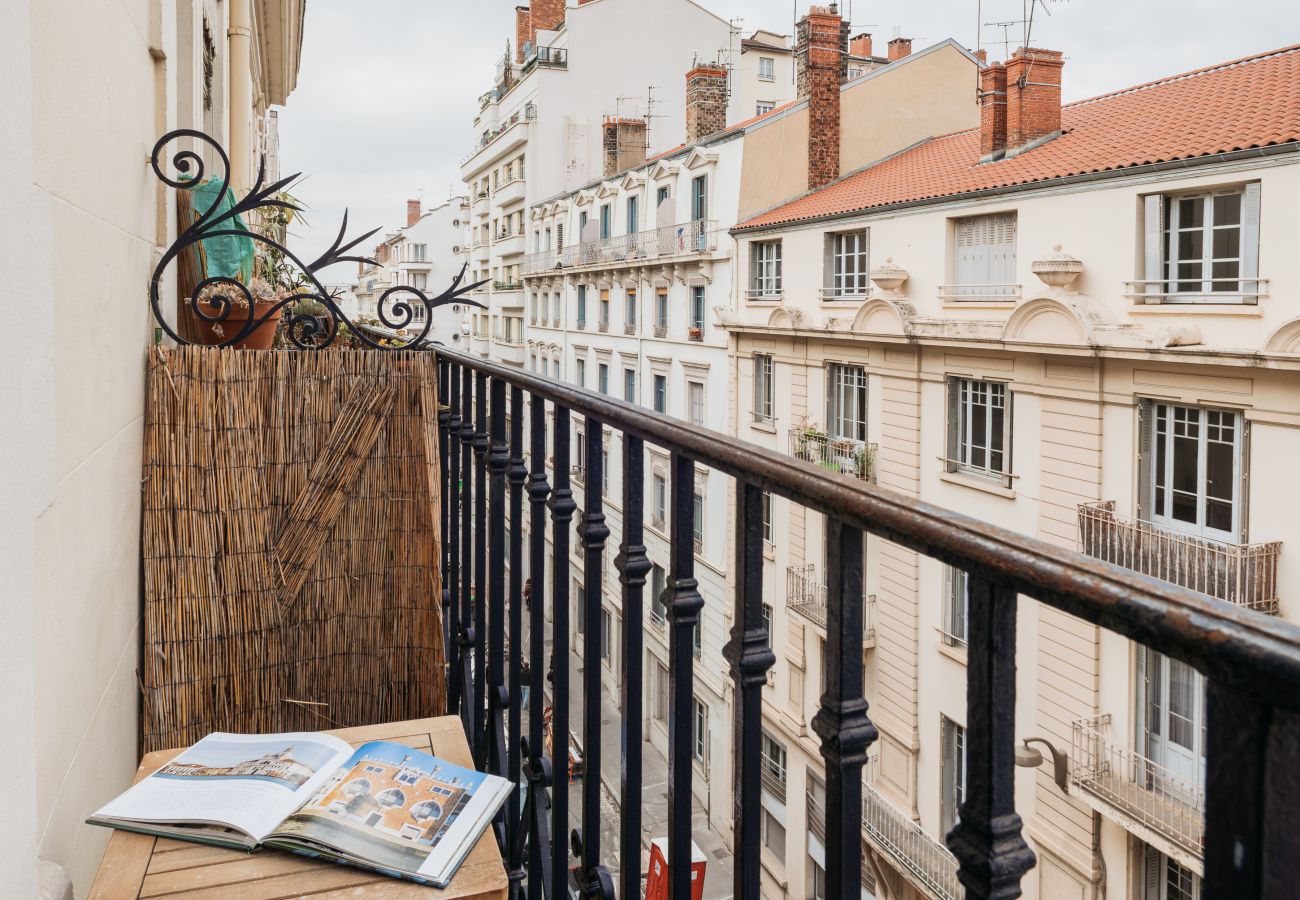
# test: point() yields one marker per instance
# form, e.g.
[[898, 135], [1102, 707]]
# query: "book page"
[[396, 809], [250, 782]]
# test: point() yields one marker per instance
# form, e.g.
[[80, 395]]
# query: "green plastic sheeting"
[[229, 256]]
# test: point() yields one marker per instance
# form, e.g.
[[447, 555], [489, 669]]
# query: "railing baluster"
[[750, 655], [451, 539], [842, 721], [987, 839], [684, 608], [444, 500], [480, 556], [491, 754], [539, 848], [466, 639], [518, 474], [593, 532], [562, 507], [633, 565]]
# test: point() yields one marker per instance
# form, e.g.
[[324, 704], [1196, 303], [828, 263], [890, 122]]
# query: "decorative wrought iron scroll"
[[396, 308]]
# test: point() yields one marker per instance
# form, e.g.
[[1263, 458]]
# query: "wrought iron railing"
[[1244, 574], [805, 594], [1252, 663], [856, 458], [1135, 789], [976, 292], [670, 241], [771, 773]]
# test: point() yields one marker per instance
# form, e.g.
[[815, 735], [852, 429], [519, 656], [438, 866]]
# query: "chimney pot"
[[413, 212], [899, 47], [1033, 89], [623, 142], [860, 45], [706, 102]]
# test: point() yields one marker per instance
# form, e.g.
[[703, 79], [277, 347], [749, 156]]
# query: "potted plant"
[[210, 304], [695, 333]]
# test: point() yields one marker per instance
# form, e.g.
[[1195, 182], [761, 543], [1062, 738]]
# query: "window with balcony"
[[984, 258], [846, 402], [582, 306], [1171, 722], [606, 221], [979, 428], [765, 269], [658, 611], [846, 265], [418, 252], [764, 387], [660, 393], [772, 766], [419, 281], [633, 214], [766, 68], [580, 455], [602, 377], [695, 402], [697, 312], [699, 198], [953, 772], [659, 497], [629, 385], [1192, 466], [956, 606], [1203, 247], [697, 641]]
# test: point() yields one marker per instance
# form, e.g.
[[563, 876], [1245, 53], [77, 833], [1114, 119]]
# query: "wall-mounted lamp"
[[1029, 758]]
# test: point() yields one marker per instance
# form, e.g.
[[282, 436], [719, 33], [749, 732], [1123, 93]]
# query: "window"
[[846, 264], [606, 629], [580, 372], [697, 519], [953, 737], [582, 306], [699, 198], [662, 196], [773, 835], [630, 310], [772, 758], [661, 393], [660, 499], [1171, 724], [658, 611], [695, 402], [604, 308], [582, 225], [846, 402], [629, 385], [817, 890], [633, 214], [580, 597], [766, 68], [765, 269], [984, 257], [602, 378], [768, 534], [701, 732], [956, 606], [697, 308], [419, 252], [1208, 244], [767, 624], [1192, 466], [660, 682], [763, 387], [979, 428], [548, 240], [697, 647], [580, 453], [606, 221], [604, 471], [1167, 879], [661, 309], [763, 107], [555, 369]]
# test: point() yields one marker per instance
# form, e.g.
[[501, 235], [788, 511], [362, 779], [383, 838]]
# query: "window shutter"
[[1143, 699], [954, 417], [1002, 250], [1151, 873], [1007, 432], [1243, 504], [828, 261], [1146, 459], [1153, 244], [947, 772], [1250, 240]]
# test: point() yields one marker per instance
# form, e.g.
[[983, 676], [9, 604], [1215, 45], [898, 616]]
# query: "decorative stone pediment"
[[632, 182], [1049, 320], [788, 317], [607, 190], [663, 170], [884, 317], [585, 198], [698, 159], [1286, 339]]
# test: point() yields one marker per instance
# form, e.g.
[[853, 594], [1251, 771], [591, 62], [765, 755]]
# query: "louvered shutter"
[[954, 423], [828, 262], [948, 773], [1001, 253], [1153, 244], [1250, 241], [1143, 699], [1146, 460], [1007, 432], [971, 265], [1150, 873], [1243, 500]]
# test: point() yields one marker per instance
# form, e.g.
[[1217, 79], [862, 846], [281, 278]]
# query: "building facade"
[[1073, 322]]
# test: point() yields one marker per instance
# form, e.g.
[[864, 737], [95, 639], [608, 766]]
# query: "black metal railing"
[[1252, 661]]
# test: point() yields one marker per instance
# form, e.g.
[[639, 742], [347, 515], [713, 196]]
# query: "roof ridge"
[[1194, 73]]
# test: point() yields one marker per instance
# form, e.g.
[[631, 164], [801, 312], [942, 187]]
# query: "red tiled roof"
[[1243, 104], [730, 129]]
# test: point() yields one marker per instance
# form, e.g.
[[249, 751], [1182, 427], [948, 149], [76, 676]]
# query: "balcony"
[[661, 331], [855, 458], [509, 192], [1242, 574], [481, 203], [508, 243], [508, 350], [908, 847], [629, 328], [1245, 291], [771, 773], [805, 595], [547, 58], [1160, 807], [603, 326], [512, 133], [642, 248]]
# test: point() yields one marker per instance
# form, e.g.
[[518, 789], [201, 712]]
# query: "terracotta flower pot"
[[213, 333]]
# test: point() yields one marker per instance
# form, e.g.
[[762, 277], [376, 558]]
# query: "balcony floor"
[[1180, 827]]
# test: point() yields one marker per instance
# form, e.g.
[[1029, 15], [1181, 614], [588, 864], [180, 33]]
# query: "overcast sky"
[[387, 92]]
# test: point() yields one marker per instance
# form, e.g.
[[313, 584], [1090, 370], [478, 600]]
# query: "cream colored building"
[[1081, 328], [87, 89]]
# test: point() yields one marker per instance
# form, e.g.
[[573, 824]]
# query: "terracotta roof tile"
[[1243, 104]]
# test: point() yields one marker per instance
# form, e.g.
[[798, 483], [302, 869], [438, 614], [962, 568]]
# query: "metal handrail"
[[917, 853], [668, 242], [856, 458], [805, 594]]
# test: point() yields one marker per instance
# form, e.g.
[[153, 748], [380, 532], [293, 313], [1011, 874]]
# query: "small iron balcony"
[[855, 458], [805, 594]]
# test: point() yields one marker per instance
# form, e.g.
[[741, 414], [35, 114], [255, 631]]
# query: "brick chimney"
[[706, 102], [1033, 95], [524, 33], [822, 44], [548, 15], [413, 212], [829, 31], [860, 45], [623, 142], [899, 47], [993, 111]]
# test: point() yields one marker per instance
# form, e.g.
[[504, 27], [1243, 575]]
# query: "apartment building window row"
[[979, 428]]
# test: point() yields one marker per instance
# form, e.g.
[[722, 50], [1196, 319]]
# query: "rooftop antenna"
[[1006, 34]]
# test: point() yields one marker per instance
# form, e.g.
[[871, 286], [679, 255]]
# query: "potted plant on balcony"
[[695, 333]]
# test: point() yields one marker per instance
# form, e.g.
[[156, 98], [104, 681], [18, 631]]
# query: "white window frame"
[[1164, 213], [952, 772], [984, 258], [848, 264], [763, 107], [956, 606], [765, 269], [659, 393], [973, 405], [700, 732], [766, 68], [659, 499], [1163, 425], [846, 402], [695, 407], [764, 387]]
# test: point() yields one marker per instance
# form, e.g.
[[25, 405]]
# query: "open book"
[[383, 806]]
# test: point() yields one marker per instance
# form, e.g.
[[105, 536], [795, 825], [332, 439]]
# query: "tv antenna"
[[1006, 33]]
